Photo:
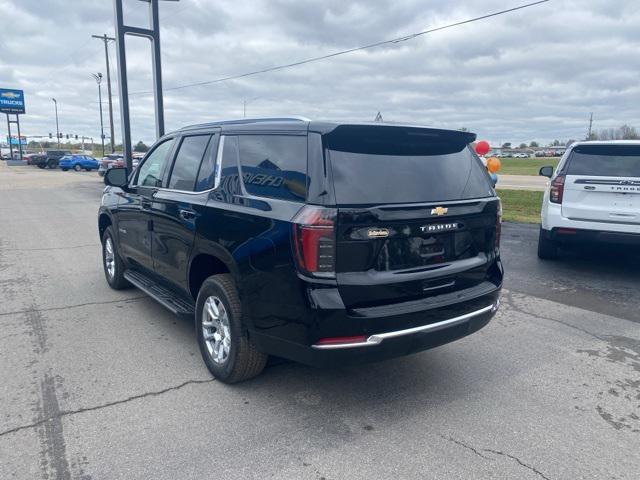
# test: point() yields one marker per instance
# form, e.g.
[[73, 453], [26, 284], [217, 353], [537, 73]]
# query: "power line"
[[351, 50]]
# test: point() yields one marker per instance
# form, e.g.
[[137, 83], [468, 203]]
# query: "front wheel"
[[112, 263], [226, 350], [77, 168], [547, 248]]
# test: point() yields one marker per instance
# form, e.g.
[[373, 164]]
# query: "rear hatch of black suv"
[[417, 222]]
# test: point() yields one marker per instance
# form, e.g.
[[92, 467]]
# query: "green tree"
[[523, 145], [140, 147], [506, 145], [534, 144]]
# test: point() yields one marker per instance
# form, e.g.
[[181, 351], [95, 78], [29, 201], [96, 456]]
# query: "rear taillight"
[[557, 189], [499, 224], [314, 240]]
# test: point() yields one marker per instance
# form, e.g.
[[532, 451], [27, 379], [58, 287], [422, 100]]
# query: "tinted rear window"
[[274, 165], [398, 165], [605, 161]]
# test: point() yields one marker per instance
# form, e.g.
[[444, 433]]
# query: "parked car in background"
[[520, 155], [52, 158], [110, 161], [78, 162], [116, 160], [283, 237], [594, 196], [34, 158]]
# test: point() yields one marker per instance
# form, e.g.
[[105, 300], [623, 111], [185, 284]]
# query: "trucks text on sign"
[[11, 101]]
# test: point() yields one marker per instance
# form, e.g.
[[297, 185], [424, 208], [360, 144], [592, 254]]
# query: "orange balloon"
[[493, 164]]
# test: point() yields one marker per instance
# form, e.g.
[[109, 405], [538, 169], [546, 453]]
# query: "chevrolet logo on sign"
[[9, 95], [439, 211]]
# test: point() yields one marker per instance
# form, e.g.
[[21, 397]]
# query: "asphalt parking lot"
[[108, 385]]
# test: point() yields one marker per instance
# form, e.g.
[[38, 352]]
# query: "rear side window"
[[274, 165], [380, 165], [605, 161], [187, 164]]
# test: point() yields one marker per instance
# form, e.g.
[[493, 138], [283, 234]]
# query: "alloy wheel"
[[215, 329], [109, 258]]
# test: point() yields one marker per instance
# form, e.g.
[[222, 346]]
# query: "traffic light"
[[50, 136], [67, 136], [76, 137]]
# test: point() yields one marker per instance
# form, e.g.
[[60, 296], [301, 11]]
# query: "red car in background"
[[116, 160]]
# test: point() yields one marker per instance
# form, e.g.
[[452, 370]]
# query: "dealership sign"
[[13, 140], [11, 101]]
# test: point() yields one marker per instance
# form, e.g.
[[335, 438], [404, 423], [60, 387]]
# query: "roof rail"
[[242, 121]]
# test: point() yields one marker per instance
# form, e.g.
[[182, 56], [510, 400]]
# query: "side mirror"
[[116, 177], [546, 171]]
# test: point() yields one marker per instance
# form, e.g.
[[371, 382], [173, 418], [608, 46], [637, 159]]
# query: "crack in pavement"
[[533, 469], [464, 445], [65, 413], [495, 452], [18, 312], [510, 302]]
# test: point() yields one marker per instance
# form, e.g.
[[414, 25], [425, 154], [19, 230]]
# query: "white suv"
[[594, 196]]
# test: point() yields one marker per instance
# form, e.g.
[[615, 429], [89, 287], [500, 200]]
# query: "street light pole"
[[244, 105], [106, 41], [55, 102], [98, 78]]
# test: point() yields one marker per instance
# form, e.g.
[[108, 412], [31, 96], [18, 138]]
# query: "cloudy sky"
[[531, 75]]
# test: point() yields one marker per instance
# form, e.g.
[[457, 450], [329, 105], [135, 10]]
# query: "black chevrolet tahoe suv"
[[324, 243], [51, 158]]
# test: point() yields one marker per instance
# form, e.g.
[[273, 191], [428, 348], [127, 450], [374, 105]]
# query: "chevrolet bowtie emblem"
[[439, 211]]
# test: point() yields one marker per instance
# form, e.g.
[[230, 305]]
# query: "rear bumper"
[[574, 236], [383, 337]]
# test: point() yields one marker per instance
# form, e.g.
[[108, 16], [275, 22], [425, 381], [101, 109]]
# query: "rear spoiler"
[[396, 140]]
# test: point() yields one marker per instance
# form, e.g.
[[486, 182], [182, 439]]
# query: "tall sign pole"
[[152, 34], [12, 103], [106, 41]]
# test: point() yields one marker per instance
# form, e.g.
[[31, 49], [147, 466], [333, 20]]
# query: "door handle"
[[187, 214]]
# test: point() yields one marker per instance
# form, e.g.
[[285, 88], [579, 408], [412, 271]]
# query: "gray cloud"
[[531, 75]]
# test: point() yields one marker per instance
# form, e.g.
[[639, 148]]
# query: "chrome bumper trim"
[[378, 338]]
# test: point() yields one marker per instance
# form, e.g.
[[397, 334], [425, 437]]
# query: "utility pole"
[[590, 126], [55, 102], [245, 102], [106, 41], [98, 78]]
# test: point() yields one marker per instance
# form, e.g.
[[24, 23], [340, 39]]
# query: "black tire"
[[77, 167], [244, 360], [42, 165], [547, 248], [52, 164], [117, 280]]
